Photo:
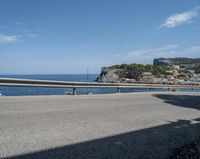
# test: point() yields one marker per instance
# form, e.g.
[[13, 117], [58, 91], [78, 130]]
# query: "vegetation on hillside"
[[139, 68]]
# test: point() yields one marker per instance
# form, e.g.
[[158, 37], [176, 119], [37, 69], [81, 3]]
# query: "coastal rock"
[[108, 76], [114, 75]]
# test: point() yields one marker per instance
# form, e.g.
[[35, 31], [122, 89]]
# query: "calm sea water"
[[22, 91]]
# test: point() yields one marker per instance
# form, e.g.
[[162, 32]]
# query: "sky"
[[71, 36]]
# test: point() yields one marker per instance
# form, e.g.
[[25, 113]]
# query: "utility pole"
[[87, 74], [87, 80]]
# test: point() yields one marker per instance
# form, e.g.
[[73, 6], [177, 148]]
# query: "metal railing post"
[[118, 90], [74, 91]]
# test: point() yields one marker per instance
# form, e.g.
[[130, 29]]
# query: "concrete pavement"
[[135, 125]]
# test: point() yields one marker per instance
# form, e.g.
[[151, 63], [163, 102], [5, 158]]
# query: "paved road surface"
[[137, 125]]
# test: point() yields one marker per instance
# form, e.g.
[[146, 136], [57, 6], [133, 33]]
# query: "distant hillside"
[[185, 60], [176, 61]]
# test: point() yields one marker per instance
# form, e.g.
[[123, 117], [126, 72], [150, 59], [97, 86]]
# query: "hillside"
[[131, 71], [176, 61], [167, 69]]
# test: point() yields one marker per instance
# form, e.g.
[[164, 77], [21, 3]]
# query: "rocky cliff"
[[114, 74], [108, 75]]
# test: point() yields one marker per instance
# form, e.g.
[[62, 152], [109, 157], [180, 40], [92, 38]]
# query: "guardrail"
[[14, 82]]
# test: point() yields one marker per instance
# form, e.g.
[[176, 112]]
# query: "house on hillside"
[[147, 77]]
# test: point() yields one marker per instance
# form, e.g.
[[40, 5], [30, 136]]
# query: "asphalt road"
[[136, 125]]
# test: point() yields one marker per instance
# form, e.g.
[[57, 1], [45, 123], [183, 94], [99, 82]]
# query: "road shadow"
[[151, 143], [187, 101]]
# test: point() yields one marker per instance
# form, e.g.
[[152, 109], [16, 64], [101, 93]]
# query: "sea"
[[25, 91]]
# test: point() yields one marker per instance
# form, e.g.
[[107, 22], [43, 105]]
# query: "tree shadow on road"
[[150, 143], [187, 101]]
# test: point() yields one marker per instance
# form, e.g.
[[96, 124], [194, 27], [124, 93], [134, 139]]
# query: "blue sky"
[[69, 36]]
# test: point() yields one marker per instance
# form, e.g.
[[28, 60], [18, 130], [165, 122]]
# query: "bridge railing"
[[14, 82]]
